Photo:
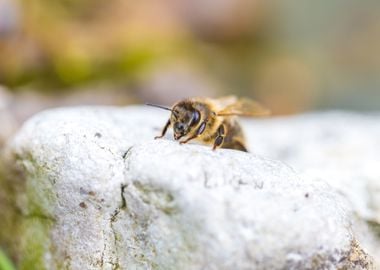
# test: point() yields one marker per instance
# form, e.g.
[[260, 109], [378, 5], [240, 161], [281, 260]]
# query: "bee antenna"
[[158, 106]]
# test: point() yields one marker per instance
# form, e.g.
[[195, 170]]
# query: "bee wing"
[[226, 101], [244, 107]]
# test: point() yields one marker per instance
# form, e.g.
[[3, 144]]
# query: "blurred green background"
[[293, 56]]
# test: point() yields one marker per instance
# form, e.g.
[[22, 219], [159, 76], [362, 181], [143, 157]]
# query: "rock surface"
[[341, 148], [94, 191]]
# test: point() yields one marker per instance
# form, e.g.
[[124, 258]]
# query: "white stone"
[[341, 148], [100, 193]]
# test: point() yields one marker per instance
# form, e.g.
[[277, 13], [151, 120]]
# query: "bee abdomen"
[[234, 138]]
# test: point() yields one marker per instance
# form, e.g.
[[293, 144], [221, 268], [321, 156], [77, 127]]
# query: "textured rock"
[[341, 148], [96, 192]]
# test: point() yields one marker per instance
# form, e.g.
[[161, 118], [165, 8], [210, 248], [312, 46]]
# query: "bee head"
[[184, 117]]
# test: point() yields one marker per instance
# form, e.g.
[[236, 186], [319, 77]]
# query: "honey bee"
[[211, 121]]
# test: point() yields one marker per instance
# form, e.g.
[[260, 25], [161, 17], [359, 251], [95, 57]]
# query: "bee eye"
[[194, 118]]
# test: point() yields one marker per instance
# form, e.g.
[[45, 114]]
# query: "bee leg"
[[220, 137], [200, 130], [218, 142], [164, 130], [189, 139]]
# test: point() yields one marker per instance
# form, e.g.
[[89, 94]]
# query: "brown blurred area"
[[293, 56]]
